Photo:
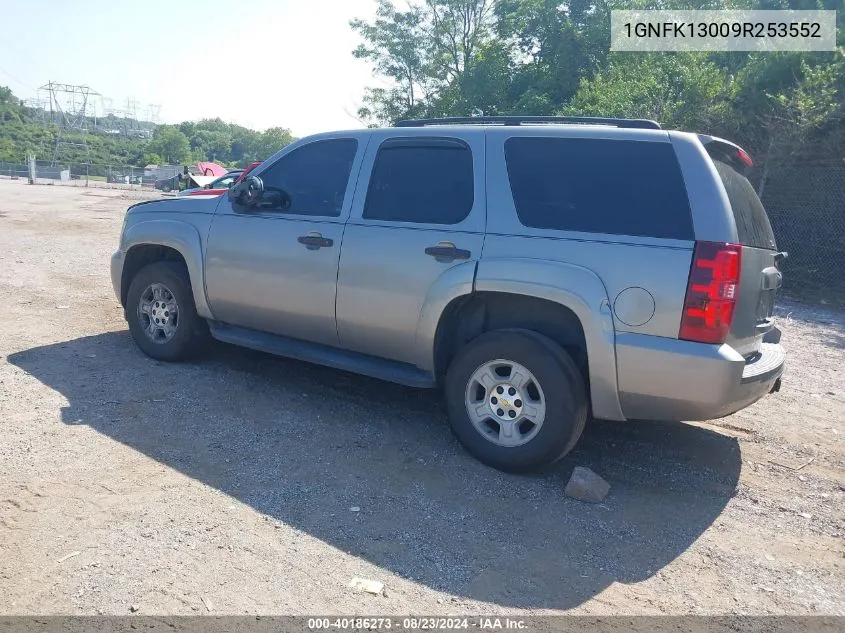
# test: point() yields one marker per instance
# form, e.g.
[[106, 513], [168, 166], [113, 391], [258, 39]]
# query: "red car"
[[217, 192]]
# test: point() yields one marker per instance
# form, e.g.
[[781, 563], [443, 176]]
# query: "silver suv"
[[538, 269]]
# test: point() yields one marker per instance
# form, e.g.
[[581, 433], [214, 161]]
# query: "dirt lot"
[[225, 485]]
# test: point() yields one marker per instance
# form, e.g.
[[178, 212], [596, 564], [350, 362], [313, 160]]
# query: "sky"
[[262, 63]]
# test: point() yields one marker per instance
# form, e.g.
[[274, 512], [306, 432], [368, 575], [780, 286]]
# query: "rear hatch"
[[760, 276]]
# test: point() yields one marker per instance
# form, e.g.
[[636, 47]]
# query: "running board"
[[372, 366]]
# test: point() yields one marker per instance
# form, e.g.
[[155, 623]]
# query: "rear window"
[[752, 224], [599, 186]]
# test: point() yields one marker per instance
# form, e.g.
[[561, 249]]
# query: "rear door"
[[419, 213], [760, 277]]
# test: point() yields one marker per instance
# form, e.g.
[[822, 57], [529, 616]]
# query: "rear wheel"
[[161, 313], [516, 401]]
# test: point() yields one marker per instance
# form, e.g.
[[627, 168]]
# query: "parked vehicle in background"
[[168, 184], [131, 179], [222, 184], [216, 190], [190, 177], [538, 269]]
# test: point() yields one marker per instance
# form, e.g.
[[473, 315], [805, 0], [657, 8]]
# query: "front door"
[[419, 214], [275, 269]]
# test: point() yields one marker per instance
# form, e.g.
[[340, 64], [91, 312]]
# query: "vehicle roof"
[[552, 129], [562, 129]]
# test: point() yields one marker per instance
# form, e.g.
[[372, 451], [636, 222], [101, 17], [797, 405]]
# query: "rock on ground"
[[585, 485]]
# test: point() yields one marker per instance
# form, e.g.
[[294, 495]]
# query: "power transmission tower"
[[154, 113], [132, 117], [114, 117], [70, 110], [38, 106]]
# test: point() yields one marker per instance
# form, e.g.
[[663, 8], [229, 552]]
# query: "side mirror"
[[247, 192]]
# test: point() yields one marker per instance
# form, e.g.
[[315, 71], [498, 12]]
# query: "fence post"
[[86, 174], [32, 172]]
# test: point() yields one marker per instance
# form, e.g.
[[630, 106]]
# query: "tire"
[[554, 384], [187, 331]]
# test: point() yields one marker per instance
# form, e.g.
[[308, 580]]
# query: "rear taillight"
[[712, 292], [744, 157]]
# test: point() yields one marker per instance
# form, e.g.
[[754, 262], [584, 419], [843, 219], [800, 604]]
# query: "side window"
[[422, 180], [314, 176], [599, 186]]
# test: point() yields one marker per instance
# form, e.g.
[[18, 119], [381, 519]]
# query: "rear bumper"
[[668, 379]]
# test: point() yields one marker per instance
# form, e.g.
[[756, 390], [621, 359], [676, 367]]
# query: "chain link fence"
[[89, 174], [805, 201]]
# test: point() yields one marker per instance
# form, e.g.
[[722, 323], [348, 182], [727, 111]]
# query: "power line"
[[15, 79]]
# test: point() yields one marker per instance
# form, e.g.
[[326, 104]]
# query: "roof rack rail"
[[519, 120]]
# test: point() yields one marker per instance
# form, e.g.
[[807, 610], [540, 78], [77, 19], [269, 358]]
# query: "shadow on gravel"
[[303, 444]]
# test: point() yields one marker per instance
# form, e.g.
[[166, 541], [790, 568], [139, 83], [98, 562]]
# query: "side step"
[[391, 371]]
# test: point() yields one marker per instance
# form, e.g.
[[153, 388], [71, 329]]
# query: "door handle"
[[315, 240], [446, 251]]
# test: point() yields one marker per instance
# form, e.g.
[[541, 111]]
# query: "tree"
[[7, 151], [423, 53], [562, 44], [10, 106], [679, 90], [271, 141], [457, 29], [212, 144], [171, 143], [788, 104], [152, 159], [395, 43]]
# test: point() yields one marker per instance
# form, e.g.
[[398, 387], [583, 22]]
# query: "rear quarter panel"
[[644, 279], [660, 267]]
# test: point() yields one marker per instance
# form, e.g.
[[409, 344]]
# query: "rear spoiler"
[[726, 151]]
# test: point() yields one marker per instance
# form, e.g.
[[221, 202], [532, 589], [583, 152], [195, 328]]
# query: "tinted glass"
[[599, 186], [314, 176], [225, 181], [421, 180], [752, 224]]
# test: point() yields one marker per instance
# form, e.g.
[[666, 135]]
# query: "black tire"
[[561, 383], [191, 330]]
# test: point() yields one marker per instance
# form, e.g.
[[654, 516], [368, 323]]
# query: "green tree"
[[423, 52], [269, 142], [10, 106], [679, 90], [7, 151], [151, 158], [171, 144], [561, 43], [395, 44]]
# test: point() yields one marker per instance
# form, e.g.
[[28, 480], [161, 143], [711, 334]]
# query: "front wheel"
[[162, 316], [515, 400]]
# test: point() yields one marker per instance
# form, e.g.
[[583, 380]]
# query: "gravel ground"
[[229, 485]]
